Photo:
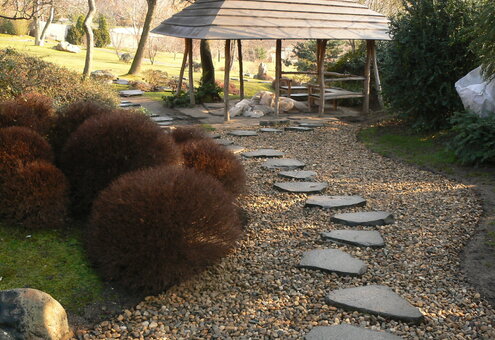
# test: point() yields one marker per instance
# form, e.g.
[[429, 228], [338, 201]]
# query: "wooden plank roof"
[[276, 19]]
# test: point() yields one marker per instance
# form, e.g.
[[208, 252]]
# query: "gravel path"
[[258, 293]]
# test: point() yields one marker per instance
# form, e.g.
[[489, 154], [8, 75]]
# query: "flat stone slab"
[[263, 153], [243, 133], [301, 187], [235, 148], [121, 81], [360, 238], [334, 261], [298, 128], [364, 218], [377, 300], [162, 119], [311, 125], [335, 202], [348, 332], [131, 93], [272, 130], [274, 122], [164, 123], [284, 163], [215, 136], [123, 105], [224, 142], [298, 174]]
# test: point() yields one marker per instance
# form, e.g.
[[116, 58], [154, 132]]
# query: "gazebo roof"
[[276, 19]]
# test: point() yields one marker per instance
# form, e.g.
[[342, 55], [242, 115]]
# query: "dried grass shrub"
[[107, 146], [153, 228], [33, 195], [184, 134], [207, 156], [23, 144]]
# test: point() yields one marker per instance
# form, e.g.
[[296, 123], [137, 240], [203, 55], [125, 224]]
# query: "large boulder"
[[67, 47], [262, 72], [30, 314]]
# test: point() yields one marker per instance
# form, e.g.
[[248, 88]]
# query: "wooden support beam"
[[192, 100], [278, 75], [378, 83], [321, 74], [182, 68], [226, 115], [241, 69], [367, 76]]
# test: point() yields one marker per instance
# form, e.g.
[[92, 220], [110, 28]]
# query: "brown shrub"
[[153, 228], [232, 88], [31, 110], [23, 144], [34, 195], [107, 146], [184, 134], [207, 156]]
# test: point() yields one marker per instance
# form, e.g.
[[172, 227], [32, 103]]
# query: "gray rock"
[[311, 125], [335, 202], [274, 122], [32, 314], [162, 119], [268, 130], [215, 136], [243, 133], [124, 105], [235, 148], [364, 218], [103, 75], [377, 300], [298, 128], [347, 332], [362, 238], [131, 93], [301, 187], [333, 260], [164, 123], [298, 174], [263, 153], [67, 47], [224, 142], [121, 81], [285, 164]]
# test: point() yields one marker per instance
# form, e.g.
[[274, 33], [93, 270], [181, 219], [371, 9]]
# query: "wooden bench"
[[333, 93]]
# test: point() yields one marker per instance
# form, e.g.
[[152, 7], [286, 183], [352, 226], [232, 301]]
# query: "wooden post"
[[241, 70], [183, 67], [226, 115], [367, 76], [278, 74], [192, 100], [321, 75], [377, 77]]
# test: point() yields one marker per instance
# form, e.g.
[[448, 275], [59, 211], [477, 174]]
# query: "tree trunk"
[[37, 23], [138, 58], [89, 37], [207, 66], [47, 24]]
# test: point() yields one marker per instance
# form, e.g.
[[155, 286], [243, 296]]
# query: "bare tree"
[[89, 37], [23, 9], [138, 57], [152, 50], [41, 41]]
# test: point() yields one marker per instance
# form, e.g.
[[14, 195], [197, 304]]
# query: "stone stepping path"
[[235, 148], [263, 153], [360, 238], [377, 300], [242, 133], [215, 136], [162, 119], [301, 187], [334, 261], [283, 164], [311, 125], [298, 174], [130, 93], [224, 142], [372, 218], [274, 122], [348, 332], [335, 202], [270, 130], [298, 128]]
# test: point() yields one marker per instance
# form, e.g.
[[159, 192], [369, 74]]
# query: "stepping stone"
[[298, 174], [334, 202], [243, 133], [284, 163], [311, 125], [334, 261], [164, 123], [131, 93], [274, 122], [300, 187], [162, 119], [224, 142], [121, 81], [263, 153], [235, 148], [348, 332], [361, 238], [377, 300], [270, 130], [364, 218], [298, 128], [215, 136], [154, 115], [123, 105]]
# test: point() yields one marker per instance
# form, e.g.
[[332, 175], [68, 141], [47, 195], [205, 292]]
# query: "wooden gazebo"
[[277, 20]]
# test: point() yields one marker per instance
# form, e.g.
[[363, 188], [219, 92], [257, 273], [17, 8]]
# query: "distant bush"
[[126, 57], [75, 33], [14, 27], [232, 88], [205, 155], [107, 146], [153, 228], [33, 195], [156, 77], [31, 110], [20, 73], [24, 145], [102, 34], [185, 134], [474, 138], [7, 27]]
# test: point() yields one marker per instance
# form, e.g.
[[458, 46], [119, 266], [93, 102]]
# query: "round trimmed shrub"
[[34, 195], [31, 110], [184, 134], [153, 228], [23, 144], [207, 156], [107, 146]]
